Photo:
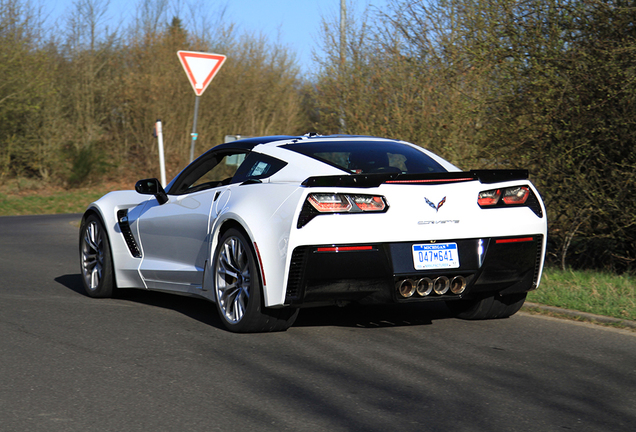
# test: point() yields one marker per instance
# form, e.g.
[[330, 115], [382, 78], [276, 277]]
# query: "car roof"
[[250, 143]]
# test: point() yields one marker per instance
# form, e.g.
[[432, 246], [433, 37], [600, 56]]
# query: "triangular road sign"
[[200, 68]]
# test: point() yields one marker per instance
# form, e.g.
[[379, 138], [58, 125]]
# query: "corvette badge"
[[435, 207]]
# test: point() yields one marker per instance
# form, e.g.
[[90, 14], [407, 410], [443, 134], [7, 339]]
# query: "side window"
[[219, 174], [213, 171], [258, 166]]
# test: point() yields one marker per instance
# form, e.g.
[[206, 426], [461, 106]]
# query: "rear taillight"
[[324, 203], [369, 202], [516, 195], [330, 203], [489, 198], [345, 203], [510, 197]]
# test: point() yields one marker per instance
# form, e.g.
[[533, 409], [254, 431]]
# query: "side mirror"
[[152, 187]]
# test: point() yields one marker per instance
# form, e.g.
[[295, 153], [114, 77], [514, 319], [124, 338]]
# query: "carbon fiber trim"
[[124, 227], [296, 271]]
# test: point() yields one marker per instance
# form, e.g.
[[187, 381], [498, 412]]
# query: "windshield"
[[367, 157]]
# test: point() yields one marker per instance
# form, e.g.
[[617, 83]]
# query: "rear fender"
[[266, 218]]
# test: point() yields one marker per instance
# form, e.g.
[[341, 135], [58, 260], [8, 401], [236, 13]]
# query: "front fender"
[[125, 266]]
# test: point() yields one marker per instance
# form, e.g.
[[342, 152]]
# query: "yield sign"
[[200, 68]]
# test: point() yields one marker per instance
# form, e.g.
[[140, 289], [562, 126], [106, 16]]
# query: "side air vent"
[[124, 226], [296, 270]]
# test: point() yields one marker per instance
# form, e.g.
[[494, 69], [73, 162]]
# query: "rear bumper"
[[369, 273]]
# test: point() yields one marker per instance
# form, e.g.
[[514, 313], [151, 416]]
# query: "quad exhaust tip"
[[458, 285], [441, 285], [425, 286], [405, 288]]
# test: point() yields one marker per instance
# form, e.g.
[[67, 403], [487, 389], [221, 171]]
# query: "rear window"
[[369, 157]]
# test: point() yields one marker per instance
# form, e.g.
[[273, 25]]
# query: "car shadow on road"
[[72, 282], [354, 315], [373, 316], [195, 308]]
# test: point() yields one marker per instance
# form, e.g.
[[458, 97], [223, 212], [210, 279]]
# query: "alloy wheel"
[[233, 279], [92, 255]]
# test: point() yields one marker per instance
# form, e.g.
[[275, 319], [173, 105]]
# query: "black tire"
[[96, 263], [491, 307], [238, 289]]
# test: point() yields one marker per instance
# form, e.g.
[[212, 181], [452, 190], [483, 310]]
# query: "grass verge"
[[588, 291], [18, 197], [572, 315], [55, 203]]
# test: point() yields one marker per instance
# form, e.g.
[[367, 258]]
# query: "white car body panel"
[[269, 228], [175, 232]]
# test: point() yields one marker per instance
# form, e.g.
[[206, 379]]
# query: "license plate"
[[435, 256]]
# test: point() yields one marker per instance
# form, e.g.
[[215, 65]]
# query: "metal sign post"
[[194, 134]]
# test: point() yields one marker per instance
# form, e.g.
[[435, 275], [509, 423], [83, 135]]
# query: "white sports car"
[[266, 226]]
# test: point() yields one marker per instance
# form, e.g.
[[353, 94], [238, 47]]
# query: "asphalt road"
[[155, 362]]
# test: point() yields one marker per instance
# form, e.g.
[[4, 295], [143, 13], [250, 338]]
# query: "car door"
[[174, 236]]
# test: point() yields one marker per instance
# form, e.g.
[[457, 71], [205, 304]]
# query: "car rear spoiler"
[[375, 180]]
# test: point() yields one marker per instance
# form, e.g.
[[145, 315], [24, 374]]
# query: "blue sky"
[[295, 23]]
